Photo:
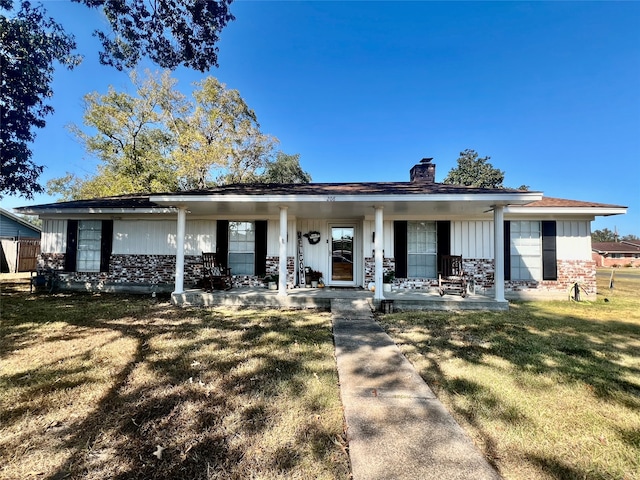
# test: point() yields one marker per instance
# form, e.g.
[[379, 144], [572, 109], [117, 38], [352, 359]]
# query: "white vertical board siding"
[[573, 240], [315, 256], [54, 236], [368, 227], [158, 237], [472, 238], [273, 238], [200, 237]]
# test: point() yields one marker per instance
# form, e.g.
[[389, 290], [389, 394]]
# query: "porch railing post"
[[498, 253], [282, 267], [379, 255]]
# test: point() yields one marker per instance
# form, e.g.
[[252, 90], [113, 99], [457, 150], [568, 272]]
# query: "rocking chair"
[[215, 276], [451, 278]]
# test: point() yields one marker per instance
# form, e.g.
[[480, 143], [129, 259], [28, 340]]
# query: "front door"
[[342, 243]]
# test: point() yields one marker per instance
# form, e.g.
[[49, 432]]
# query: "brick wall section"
[[603, 261], [273, 266], [482, 271], [388, 265], [160, 269]]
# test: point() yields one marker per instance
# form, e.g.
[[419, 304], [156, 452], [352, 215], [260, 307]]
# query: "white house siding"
[[573, 240], [315, 256], [54, 236], [158, 237], [472, 238], [273, 238]]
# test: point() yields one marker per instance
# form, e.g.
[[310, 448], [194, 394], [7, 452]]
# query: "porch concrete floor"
[[320, 298]]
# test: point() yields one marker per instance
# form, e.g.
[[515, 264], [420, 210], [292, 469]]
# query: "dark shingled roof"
[[120, 201], [616, 247], [561, 202], [258, 189], [354, 188]]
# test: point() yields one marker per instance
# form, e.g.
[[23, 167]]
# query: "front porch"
[[320, 298]]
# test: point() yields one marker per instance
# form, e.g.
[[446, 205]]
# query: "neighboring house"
[[616, 254], [19, 243], [512, 242]]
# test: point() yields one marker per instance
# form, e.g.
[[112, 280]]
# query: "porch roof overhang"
[[345, 205]]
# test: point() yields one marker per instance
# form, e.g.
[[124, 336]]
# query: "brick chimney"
[[423, 172]]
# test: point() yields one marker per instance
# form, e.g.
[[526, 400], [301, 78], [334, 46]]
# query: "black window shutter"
[[72, 246], [261, 248], [549, 261], [443, 230], [507, 250], [222, 242], [400, 247], [106, 242]]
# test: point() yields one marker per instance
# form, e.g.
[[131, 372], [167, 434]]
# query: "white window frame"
[[89, 245], [422, 249], [242, 247], [525, 250]]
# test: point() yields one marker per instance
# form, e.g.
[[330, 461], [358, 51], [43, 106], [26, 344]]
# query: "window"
[[242, 240], [89, 245], [422, 243], [525, 250]]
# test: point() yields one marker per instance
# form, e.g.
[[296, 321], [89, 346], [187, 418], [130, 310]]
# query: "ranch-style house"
[[513, 243]]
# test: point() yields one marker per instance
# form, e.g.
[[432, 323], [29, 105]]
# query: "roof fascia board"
[[99, 211], [499, 199], [591, 211]]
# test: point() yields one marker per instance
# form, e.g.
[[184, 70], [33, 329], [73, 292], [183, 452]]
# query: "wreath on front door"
[[313, 237]]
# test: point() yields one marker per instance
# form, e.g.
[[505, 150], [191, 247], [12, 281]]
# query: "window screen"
[[421, 249], [242, 241]]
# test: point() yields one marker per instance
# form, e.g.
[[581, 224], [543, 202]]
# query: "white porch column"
[[379, 256], [182, 227], [498, 252], [282, 267]]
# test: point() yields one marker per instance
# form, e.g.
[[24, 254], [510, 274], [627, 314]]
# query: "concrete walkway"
[[396, 427]]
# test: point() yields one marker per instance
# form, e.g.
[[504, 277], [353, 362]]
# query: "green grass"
[[548, 390], [90, 385]]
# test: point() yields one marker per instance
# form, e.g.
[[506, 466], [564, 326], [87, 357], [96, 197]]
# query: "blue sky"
[[363, 90]]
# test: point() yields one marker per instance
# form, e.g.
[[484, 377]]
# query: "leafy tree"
[[285, 169], [169, 32], [158, 140], [604, 235], [218, 135], [132, 141], [631, 238], [473, 171], [30, 45]]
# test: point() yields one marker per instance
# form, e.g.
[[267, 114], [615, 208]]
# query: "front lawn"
[[125, 387], [548, 390]]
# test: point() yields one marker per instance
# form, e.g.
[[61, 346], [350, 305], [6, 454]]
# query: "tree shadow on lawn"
[[198, 383], [563, 347]]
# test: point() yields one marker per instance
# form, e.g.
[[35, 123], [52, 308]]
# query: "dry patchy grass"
[[548, 390], [91, 385]]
